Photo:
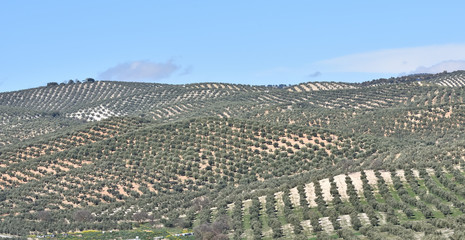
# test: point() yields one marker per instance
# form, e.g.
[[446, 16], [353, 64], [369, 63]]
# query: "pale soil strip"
[[449, 84], [122, 191], [314, 88], [364, 218], [305, 87], [447, 232], [331, 86], [321, 86], [449, 113], [307, 226], [386, 176], [279, 201], [326, 225], [371, 177], [295, 197], [419, 235], [341, 186], [430, 171], [246, 205], [326, 189], [288, 231], [345, 221], [416, 173], [358, 184], [400, 173], [310, 193]]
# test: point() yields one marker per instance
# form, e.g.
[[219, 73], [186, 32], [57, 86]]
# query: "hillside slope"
[[380, 159]]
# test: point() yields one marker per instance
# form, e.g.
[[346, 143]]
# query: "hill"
[[380, 159]]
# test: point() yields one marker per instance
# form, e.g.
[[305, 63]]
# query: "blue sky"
[[247, 42]]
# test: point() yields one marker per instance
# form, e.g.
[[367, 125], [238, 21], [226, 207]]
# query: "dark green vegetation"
[[376, 160], [141, 232]]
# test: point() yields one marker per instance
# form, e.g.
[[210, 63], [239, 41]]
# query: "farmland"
[[382, 159]]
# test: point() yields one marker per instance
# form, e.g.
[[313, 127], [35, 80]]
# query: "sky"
[[246, 42]]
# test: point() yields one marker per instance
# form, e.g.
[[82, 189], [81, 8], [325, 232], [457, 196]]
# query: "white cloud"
[[400, 60], [140, 70], [449, 66]]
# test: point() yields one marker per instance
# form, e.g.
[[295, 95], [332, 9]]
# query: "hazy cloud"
[[140, 70], [397, 60], [450, 66], [314, 75], [186, 71]]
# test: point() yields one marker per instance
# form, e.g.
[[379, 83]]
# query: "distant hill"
[[381, 159]]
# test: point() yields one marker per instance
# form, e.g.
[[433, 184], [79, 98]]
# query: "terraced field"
[[202, 152], [387, 204], [319, 86], [455, 79], [319, 160]]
